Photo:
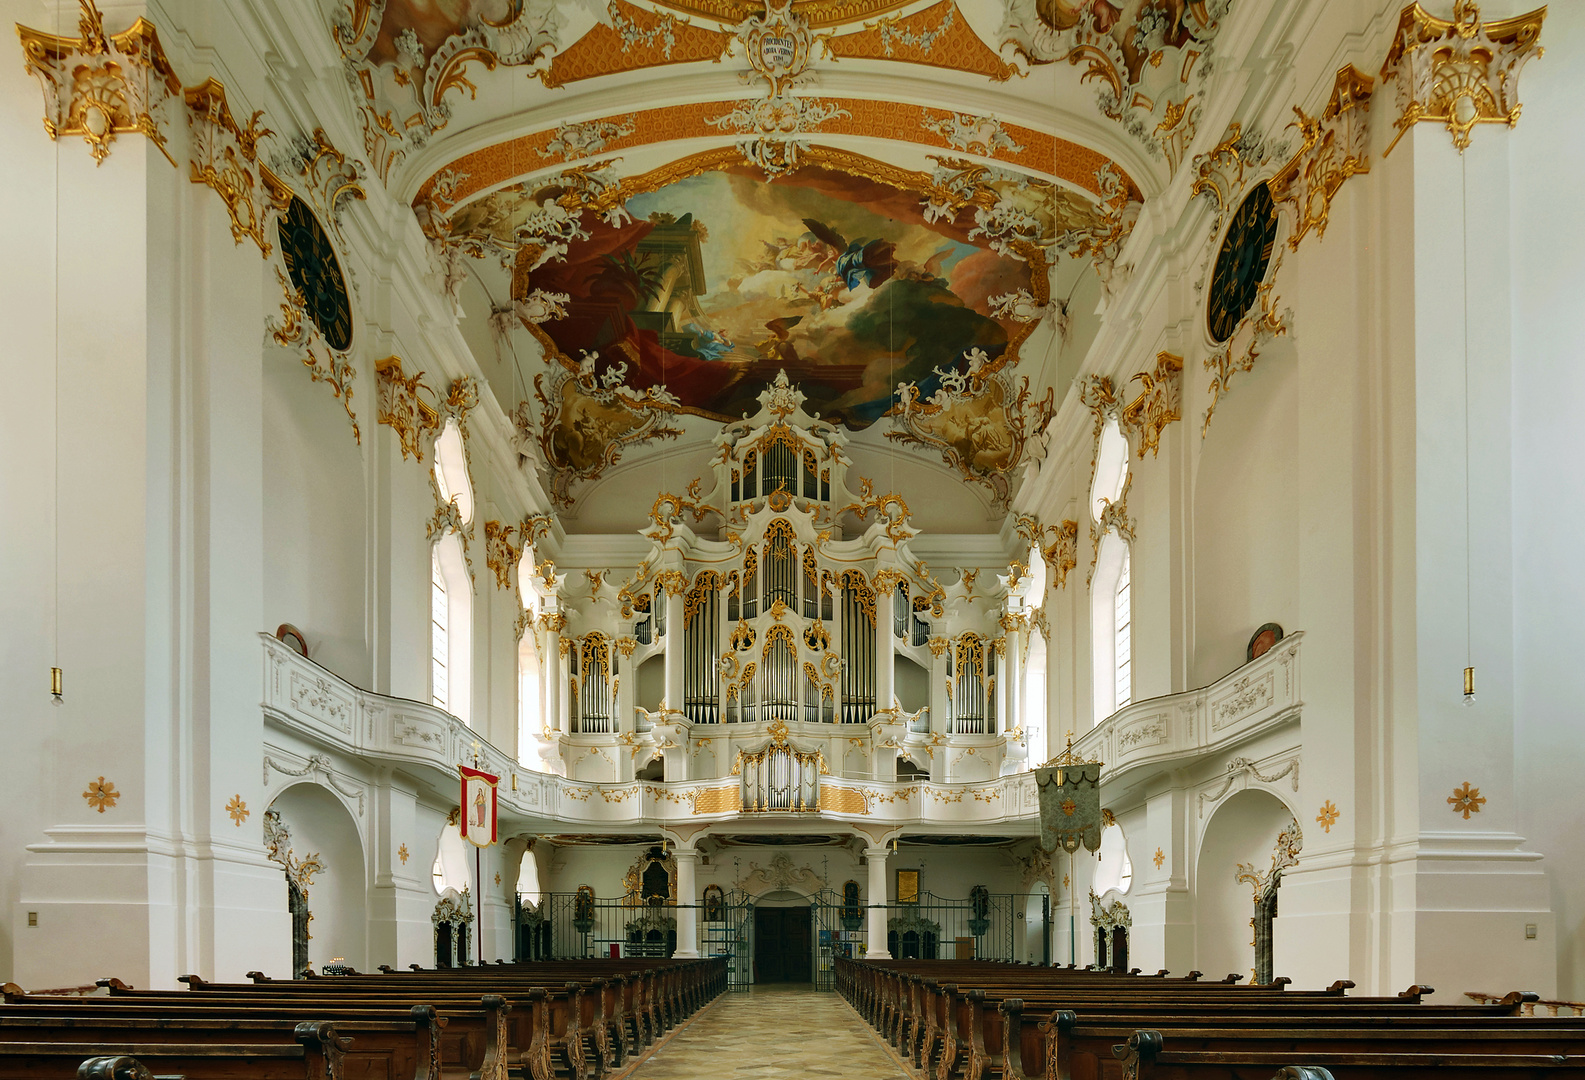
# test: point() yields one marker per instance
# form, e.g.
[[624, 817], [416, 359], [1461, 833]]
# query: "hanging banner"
[[478, 806], [1070, 806]]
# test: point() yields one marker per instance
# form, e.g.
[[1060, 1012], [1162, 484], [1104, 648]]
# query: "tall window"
[[439, 618], [451, 586], [1122, 638], [1111, 592]]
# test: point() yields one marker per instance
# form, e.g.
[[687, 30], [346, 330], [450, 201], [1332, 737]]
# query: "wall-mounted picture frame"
[[908, 886]]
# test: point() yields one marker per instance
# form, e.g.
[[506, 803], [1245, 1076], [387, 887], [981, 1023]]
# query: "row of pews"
[[983, 1019], [550, 1020]]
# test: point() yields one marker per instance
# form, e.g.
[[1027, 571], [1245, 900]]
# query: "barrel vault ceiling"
[[643, 210]]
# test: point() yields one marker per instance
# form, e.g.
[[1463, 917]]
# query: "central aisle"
[[773, 1032]]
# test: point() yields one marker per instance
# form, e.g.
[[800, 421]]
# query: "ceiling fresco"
[[890, 246], [720, 280]]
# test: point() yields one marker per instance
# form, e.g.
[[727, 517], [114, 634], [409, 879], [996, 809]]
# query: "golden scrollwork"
[[100, 86], [888, 508], [673, 581], [886, 581], [1114, 514], [1333, 148], [1159, 403], [1263, 324], [331, 180], [1459, 72], [500, 554], [937, 646], [402, 408], [324, 364], [625, 646], [226, 159], [1219, 172], [1059, 545]]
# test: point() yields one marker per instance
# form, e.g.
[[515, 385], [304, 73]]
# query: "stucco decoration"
[[100, 85], [1459, 72], [1334, 148], [404, 58], [586, 419], [780, 876], [225, 158], [1149, 62], [981, 423]]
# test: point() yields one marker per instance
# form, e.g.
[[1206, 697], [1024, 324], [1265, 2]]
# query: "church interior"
[[490, 515]]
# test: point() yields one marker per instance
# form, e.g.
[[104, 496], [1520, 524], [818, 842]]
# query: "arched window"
[[450, 629], [1122, 636], [1034, 699], [451, 469], [1115, 871], [451, 586], [1111, 593], [450, 869]]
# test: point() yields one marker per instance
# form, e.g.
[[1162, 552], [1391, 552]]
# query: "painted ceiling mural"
[[722, 279], [900, 299]]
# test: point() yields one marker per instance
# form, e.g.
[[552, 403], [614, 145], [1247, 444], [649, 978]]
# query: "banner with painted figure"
[[478, 806], [1070, 806]]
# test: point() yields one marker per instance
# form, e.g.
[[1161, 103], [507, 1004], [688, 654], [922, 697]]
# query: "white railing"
[[1261, 695], [323, 710]]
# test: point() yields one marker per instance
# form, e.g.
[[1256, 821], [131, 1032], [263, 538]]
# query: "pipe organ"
[[774, 600]]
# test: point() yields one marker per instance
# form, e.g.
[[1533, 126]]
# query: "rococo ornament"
[[1239, 353], [1461, 72], [1333, 149], [402, 409], [100, 86], [226, 159], [1159, 403]]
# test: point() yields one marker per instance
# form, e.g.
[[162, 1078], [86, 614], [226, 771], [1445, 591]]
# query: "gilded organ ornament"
[[100, 85], [1459, 72]]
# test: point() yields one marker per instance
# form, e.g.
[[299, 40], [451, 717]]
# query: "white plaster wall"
[[1246, 517], [1548, 383], [315, 519]]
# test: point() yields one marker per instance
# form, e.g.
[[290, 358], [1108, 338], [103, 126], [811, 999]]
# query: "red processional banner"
[[478, 806]]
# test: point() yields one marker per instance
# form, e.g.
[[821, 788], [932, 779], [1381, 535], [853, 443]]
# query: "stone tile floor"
[[771, 1033]]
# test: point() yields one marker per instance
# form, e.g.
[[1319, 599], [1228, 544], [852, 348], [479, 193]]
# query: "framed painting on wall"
[[908, 886]]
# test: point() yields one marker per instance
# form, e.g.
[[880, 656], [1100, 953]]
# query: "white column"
[[1011, 682], [687, 913], [876, 857], [674, 650], [885, 647], [554, 668], [940, 706]]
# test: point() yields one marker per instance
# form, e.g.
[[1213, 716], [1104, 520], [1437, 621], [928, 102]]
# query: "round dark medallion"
[[1241, 263], [316, 273]]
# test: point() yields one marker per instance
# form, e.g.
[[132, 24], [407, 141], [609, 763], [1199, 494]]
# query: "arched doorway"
[[312, 837], [1242, 830], [783, 938]]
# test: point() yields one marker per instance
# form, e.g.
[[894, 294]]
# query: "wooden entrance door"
[[782, 944]]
